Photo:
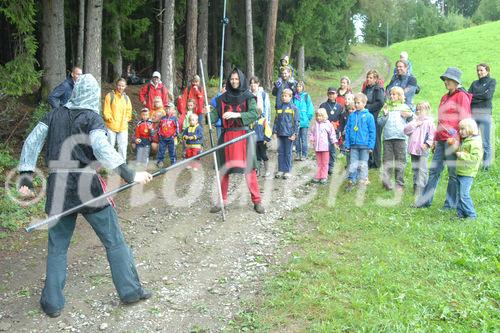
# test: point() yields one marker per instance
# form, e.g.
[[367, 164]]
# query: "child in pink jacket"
[[421, 136], [321, 135]]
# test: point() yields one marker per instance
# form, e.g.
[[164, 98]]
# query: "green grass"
[[395, 269]]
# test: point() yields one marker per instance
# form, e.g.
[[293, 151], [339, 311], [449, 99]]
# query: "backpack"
[[112, 96]]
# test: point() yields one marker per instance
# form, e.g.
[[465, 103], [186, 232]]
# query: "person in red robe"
[[237, 108]]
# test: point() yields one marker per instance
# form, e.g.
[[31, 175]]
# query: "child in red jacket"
[[143, 137], [168, 130]]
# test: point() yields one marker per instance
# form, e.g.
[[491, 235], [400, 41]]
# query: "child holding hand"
[[322, 135]]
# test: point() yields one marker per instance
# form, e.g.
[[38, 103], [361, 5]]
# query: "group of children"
[[352, 128], [160, 130]]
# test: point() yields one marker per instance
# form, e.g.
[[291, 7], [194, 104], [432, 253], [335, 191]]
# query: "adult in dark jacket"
[[404, 80], [482, 91], [335, 111], [286, 81], [61, 94], [376, 98], [76, 140]]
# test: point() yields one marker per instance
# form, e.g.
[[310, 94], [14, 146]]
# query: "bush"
[[454, 21]]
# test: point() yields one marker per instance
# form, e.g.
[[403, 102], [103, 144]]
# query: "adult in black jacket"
[[482, 94], [335, 112], [376, 98], [404, 80], [61, 94]]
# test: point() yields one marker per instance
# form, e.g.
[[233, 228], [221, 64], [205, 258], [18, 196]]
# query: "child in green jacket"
[[469, 157]]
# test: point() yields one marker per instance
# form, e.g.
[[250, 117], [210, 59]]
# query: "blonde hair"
[[361, 97], [424, 106], [193, 116], [400, 92], [288, 92], [469, 125], [322, 112]]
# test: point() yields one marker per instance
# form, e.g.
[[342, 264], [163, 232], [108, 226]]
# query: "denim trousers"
[[465, 207], [484, 123], [284, 154], [358, 164], [165, 143], [301, 144], [444, 155], [120, 258]]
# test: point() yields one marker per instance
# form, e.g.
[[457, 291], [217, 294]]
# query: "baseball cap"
[[332, 90], [156, 74]]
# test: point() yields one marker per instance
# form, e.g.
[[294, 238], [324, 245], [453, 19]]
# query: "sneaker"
[[323, 181], [298, 158], [145, 294], [330, 171], [54, 314], [195, 169], [315, 180], [159, 164], [267, 174], [278, 174], [287, 175], [350, 186], [259, 208]]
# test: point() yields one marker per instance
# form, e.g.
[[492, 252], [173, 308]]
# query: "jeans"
[[394, 161], [165, 143], [484, 123], [420, 172], [331, 157], [465, 207], [444, 155], [120, 138], [284, 154], [301, 144], [142, 151], [358, 164], [120, 259]]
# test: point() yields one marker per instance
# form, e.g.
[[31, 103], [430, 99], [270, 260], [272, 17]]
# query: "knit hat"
[[452, 73], [156, 74]]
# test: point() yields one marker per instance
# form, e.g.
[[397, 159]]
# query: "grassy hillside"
[[360, 266], [464, 49]]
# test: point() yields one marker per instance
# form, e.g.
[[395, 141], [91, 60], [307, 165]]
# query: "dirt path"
[[201, 270]]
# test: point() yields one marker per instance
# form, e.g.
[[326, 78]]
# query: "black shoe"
[[145, 294], [54, 314], [259, 208], [215, 209], [330, 171]]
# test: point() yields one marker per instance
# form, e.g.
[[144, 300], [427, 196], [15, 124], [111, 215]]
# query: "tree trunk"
[[301, 62], [203, 34], [53, 45], [93, 38], [81, 33], [250, 58], [214, 41], [117, 45], [270, 44], [158, 32], [190, 49], [168, 46]]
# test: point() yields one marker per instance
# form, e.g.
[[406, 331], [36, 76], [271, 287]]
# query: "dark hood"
[[238, 95]]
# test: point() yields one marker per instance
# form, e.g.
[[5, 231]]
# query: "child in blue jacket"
[[285, 129], [306, 112], [359, 141]]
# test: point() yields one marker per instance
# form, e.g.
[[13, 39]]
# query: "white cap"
[[156, 74]]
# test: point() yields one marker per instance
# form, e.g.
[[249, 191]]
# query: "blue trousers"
[[284, 154], [484, 123], [121, 261], [465, 207], [301, 144], [332, 156], [444, 155], [165, 143], [358, 164]]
